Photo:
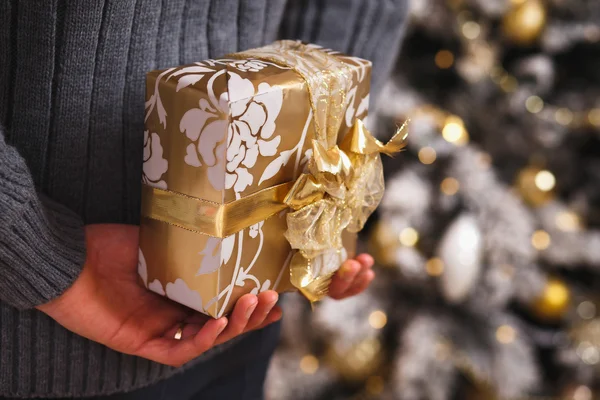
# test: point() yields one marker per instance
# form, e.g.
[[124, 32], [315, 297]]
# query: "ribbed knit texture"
[[72, 83]]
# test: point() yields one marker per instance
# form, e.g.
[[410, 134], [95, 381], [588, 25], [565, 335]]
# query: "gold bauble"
[[554, 301], [524, 22], [383, 243], [536, 185], [357, 362]]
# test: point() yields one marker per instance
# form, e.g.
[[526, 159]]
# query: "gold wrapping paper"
[[225, 140]]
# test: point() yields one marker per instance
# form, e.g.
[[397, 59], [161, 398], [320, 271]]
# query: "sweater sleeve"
[[370, 29], [42, 246]]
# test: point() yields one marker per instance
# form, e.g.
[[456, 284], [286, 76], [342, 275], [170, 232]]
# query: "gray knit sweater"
[[72, 76]]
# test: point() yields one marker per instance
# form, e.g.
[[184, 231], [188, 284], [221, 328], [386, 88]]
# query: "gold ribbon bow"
[[343, 186]]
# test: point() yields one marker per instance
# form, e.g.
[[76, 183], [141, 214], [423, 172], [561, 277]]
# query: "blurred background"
[[487, 241]]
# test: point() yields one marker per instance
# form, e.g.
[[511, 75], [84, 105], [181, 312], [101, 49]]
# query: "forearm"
[[41, 242]]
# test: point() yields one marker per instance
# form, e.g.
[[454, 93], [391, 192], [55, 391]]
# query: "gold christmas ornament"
[[383, 243], [358, 362], [554, 301], [524, 22], [536, 185]]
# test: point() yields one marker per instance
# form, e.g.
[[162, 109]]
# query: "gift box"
[[258, 172]]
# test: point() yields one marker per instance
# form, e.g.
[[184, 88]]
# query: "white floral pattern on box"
[[155, 165], [216, 253], [249, 132], [249, 65], [180, 292]]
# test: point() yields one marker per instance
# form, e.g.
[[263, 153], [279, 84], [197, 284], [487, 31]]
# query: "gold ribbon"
[[342, 187], [210, 218]]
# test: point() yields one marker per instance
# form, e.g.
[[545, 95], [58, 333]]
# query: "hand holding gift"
[[126, 317]]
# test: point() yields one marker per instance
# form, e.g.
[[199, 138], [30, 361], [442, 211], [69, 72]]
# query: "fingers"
[[266, 302], [352, 278], [366, 260], [344, 278], [239, 317], [173, 352], [274, 316], [250, 312], [361, 283]]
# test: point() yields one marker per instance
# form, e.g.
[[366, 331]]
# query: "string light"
[[449, 186], [427, 155], [540, 240], [586, 310], [377, 319], [409, 237], [506, 334], [454, 130], [594, 117], [563, 116], [509, 83], [434, 267], [309, 364], [545, 180], [444, 59], [534, 104], [567, 221], [582, 393], [589, 354], [471, 30]]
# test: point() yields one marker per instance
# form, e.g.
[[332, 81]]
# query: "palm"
[[127, 314], [108, 304]]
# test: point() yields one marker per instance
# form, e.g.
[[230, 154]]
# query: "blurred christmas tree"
[[488, 240]]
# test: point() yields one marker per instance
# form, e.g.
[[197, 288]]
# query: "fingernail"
[[346, 272], [251, 309], [223, 326], [273, 302]]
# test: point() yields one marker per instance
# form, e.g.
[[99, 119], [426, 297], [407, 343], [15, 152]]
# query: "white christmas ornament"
[[461, 250]]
